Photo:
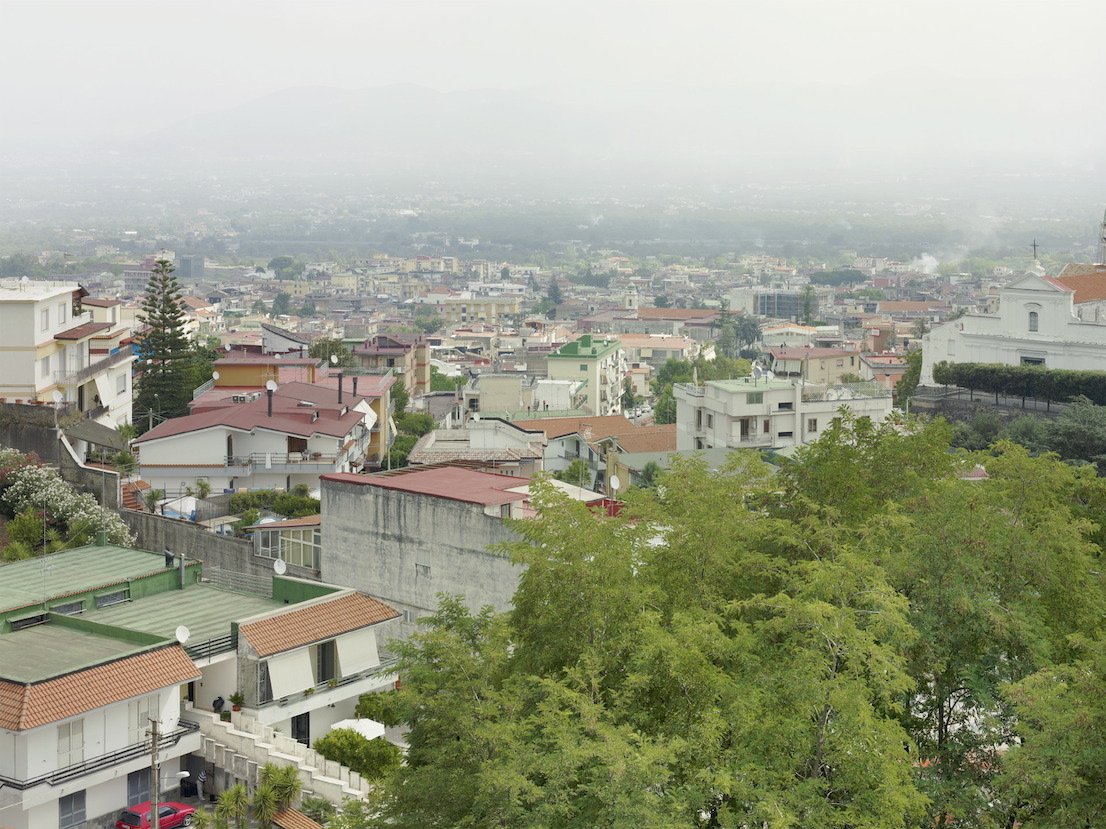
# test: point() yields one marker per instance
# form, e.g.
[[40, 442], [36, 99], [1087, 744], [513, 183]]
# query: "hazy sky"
[[123, 66]]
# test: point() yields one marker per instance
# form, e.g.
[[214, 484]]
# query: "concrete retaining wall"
[[156, 532]]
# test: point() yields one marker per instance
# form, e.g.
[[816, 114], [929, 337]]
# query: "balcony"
[[280, 462], [79, 375], [63, 775]]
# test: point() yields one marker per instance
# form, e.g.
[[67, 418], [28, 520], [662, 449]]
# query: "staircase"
[[243, 745]]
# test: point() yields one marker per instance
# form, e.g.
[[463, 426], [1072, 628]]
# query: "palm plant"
[[285, 782], [318, 809], [264, 804], [203, 488], [234, 805], [151, 498]]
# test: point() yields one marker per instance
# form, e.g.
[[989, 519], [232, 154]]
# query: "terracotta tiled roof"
[[28, 706], [294, 819], [674, 313], [555, 427], [315, 622], [660, 438], [455, 483], [1088, 287], [86, 329]]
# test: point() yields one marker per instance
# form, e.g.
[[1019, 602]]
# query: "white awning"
[[291, 673], [369, 729], [357, 651], [103, 388]]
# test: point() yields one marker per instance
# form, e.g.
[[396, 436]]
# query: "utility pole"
[[155, 775]]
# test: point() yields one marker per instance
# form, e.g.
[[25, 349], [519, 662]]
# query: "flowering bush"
[[28, 486]]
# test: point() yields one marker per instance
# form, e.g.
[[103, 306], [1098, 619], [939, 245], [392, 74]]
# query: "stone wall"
[[30, 429], [156, 532], [405, 548], [962, 406]]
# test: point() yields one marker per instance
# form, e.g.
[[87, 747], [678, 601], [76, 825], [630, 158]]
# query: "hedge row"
[[1055, 384]]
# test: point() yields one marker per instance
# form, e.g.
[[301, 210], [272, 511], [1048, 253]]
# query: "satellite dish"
[[214, 375], [271, 385], [616, 484], [58, 396], [279, 567], [334, 359], [227, 347], [182, 633], [476, 417], [757, 373]]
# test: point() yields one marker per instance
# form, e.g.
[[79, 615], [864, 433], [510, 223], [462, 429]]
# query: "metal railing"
[[79, 375], [63, 775], [212, 647], [261, 459], [692, 389], [386, 666]]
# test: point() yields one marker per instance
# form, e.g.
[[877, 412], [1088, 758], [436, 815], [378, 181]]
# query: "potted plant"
[[309, 692], [236, 700], [224, 716], [332, 683]]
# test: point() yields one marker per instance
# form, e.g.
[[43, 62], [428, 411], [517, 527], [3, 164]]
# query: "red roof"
[[84, 330], [452, 482], [288, 415]]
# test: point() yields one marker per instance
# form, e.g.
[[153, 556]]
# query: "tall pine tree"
[[168, 362]]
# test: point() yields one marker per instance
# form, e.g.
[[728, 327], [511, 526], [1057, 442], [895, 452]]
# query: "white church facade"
[[1058, 322]]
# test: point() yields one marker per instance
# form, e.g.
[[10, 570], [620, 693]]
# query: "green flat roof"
[[586, 347], [206, 611], [47, 651], [29, 581]]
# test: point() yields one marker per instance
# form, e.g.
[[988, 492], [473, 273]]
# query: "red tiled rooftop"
[[28, 706], [452, 482], [316, 622], [86, 329]]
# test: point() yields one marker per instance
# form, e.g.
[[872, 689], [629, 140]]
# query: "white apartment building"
[[767, 414], [50, 342]]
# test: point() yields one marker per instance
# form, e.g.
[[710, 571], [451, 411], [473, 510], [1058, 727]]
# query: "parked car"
[[169, 815]]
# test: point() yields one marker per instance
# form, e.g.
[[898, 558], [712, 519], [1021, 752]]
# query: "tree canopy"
[[846, 643]]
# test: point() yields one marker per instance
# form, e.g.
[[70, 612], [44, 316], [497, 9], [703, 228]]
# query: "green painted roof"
[[47, 651], [28, 582], [586, 347], [205, 610]]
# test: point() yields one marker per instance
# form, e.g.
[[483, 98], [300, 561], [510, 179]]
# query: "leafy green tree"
[[169, 370], [1052, 774], [705, 676], [415, 423], [505, 273], [325, 348], [578, 473], [441, 382], [908, 383], [664, 410], [372, 759], [810, 304], [554, 292], [401, 398], [281, 305], [307, 309], [630, 399], [661, 301]]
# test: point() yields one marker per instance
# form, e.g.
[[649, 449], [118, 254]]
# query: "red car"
[[169, 814]]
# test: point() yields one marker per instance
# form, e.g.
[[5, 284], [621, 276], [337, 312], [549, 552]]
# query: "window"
[[1033, 320], [326, 660], [786, 434], [1033, 361], [69, 608], [121, 384], [787, 407], [70, 744], [61, 313], [583, 366], [767, 426], [752, 397], [139, 712], [841, 363], [44, 319], [422, 570], [105, 599], [812, 424], [44, 366], [138, 787], [71, 810]]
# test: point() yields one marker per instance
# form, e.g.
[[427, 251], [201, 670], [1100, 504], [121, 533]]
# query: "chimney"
[[354, 386], [341, 377], [168, 557], [270, 393]]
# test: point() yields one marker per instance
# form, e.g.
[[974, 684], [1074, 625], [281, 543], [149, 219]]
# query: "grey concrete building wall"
[[405, 548]]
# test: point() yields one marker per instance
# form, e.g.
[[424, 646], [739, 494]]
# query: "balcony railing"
[[692, 389], [79, 375], [63, 775], [212, 647], [264, 460]]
